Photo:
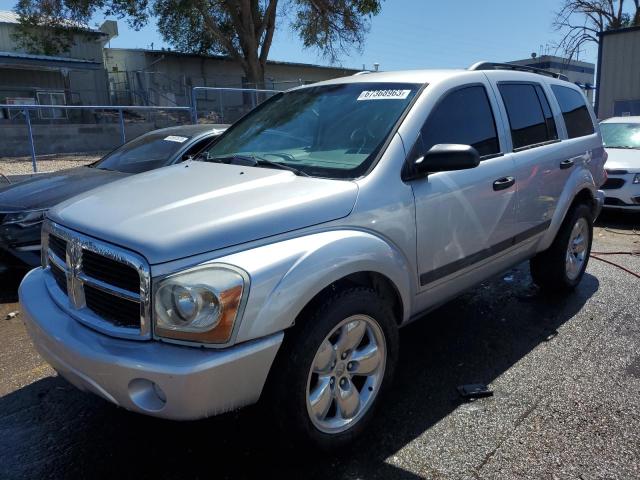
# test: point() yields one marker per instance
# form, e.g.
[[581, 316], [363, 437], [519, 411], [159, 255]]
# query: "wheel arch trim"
[[286, 276]]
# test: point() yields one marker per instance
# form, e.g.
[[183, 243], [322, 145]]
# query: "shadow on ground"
[[48, 429], [9, 282], [619, 219]]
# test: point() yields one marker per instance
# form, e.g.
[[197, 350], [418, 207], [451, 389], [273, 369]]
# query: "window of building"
[[463, 117], [574, 111], [52, 98], [531, 122]]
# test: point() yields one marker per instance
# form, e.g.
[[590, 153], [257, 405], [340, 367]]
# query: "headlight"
[[24, 219], [636, 179], [200, 305]]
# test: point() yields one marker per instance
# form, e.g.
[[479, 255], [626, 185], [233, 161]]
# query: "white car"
[[621, 137]]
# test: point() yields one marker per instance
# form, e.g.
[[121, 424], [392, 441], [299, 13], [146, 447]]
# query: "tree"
[[241, 29], [583, 20], [46, 27]]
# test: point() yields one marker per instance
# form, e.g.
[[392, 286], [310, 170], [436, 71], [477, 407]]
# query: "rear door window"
[[552, 132], [574, 111], [464, 117], [529, 114]]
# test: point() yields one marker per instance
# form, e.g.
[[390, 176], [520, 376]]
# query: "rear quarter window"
[[574, 111]]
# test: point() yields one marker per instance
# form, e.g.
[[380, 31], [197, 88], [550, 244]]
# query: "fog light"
[[147, 395]]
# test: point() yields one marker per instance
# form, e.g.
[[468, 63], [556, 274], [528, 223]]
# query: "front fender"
[[286, 275], [579, 180]]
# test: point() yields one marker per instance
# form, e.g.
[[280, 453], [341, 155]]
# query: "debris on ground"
[[473, 391], [11, 315]]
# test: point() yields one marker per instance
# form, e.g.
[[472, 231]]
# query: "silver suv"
[[282, 263]]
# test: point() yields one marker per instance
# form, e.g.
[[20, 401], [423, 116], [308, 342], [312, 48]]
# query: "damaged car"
[[23, 204]]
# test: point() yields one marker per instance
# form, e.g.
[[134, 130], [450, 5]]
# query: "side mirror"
[[446, 157]]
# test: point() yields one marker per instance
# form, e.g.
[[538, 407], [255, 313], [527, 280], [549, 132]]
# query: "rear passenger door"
[[583, 145], [462, 217], [537, 154]]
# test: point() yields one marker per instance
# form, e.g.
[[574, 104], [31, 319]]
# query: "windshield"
[[620, 135], [144, 153], [332, 131]]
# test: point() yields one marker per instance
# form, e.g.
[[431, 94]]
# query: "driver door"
[[465, 217]]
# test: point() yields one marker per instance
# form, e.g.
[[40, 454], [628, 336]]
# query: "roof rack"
[[520, 68]]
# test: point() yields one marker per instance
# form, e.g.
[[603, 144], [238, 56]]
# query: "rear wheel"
[[562, 265], [334, 367]]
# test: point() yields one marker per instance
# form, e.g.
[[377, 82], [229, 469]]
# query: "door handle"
[[566, 164], [503, 183]]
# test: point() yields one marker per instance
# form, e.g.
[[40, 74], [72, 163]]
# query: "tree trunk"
[[254, 71]]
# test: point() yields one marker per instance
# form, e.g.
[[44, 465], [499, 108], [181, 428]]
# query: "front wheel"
[[562, 265], [334, 368]]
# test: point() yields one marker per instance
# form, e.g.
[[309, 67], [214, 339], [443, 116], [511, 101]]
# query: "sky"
[[410, 34]]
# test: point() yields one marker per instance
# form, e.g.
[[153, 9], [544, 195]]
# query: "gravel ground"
[[46, 163], [565, 372]]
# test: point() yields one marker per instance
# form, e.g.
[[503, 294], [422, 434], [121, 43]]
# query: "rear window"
[[529, 114], [574, 111]]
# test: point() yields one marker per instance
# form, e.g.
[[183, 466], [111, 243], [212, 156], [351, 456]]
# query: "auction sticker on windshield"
[[384, 94], [176, 138]]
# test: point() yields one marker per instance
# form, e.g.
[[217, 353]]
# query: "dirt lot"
[[565, 372], [46, 163]]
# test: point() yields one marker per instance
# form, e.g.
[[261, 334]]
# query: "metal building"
[[580, 73], [619, 73], [74, 77]]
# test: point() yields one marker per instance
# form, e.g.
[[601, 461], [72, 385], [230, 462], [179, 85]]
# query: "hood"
[[198, 207], [44, 190], [623, 159]]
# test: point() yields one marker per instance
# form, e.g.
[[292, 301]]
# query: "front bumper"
[[154, 378], [21, 245], [624, 197]]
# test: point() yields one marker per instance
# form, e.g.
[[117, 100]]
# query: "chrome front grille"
[[102, 286]]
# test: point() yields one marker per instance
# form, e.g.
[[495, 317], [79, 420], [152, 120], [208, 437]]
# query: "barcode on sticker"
[[176, 138], [384, 95]]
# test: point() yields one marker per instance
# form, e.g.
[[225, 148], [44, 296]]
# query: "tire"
[[297, 390], [554, 269]]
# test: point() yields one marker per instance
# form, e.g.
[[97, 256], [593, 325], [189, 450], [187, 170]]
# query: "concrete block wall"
[[67, 138]]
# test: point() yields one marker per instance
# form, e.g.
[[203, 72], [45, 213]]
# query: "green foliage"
[[241, 29], [45, 27]]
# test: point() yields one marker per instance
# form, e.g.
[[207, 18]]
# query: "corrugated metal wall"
[[85, 47], [619, 71]]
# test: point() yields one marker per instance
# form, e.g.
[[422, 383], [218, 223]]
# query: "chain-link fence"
[[33, 132]]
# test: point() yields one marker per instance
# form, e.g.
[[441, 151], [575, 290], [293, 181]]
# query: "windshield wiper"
[[256, 161], [625, 147], [282, 166]]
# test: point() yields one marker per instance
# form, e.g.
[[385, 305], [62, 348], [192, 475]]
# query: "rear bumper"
[[600, 196], [154, 378]]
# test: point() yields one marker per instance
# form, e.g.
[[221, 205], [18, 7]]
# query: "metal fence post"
[[123, 136], [27, 116], [194, 106]]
